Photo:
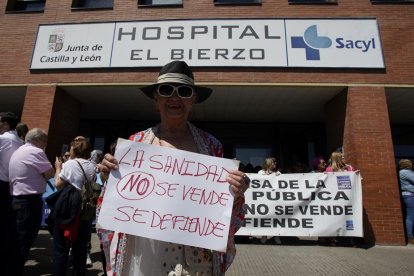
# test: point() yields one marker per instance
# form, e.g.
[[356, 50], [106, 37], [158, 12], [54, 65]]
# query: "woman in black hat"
[[174, 95]]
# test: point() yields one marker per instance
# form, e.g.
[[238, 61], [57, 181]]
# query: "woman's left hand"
[[239, 182]]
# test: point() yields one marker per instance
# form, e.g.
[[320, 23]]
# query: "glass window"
[[313, 1], [92, 4], [25, 6], [253, 156], [159, 2], [236, 2]]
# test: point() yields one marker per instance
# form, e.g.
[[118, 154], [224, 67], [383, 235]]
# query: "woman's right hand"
[[108, 163], [58, 163]]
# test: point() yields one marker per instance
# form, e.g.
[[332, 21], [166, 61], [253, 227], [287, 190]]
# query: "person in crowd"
[[318, 164], [406, 179], [96, 158], [65, 156], [22, 130], [337, 164], [270, 168], [69, 175], [9, 143], [29, 169], [103, 234], [174, 95]]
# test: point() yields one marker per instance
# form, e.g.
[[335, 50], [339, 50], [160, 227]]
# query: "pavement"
[[295, 256]]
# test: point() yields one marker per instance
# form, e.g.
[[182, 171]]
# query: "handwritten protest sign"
[[311, 204], [169, 195]]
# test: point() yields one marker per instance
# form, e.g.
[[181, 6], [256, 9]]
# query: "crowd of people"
[[174, 95], [25, 168], [24, 172]]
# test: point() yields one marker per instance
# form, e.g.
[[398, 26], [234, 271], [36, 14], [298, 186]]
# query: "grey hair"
[[36, 134], [96, 156]]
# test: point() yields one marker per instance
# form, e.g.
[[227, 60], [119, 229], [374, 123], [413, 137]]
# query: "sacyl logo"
[[56, 42], [311, 42]]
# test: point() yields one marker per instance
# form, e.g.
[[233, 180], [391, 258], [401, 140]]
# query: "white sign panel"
[[169, 195], [312, 204], [334, 43], [353, 43], [200, 43], [73, 46]]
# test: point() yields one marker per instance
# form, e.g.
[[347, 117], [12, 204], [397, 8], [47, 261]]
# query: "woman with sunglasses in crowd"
[[174, 95]]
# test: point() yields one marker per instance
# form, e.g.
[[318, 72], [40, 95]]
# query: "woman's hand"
[[239, 182], [58, 163], [108, 163], [59, 183]]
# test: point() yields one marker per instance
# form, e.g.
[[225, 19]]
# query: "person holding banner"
[[270, 168], [406, 177], [174, 95], [337, 164]]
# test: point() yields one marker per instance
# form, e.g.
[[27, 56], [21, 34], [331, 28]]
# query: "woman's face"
[[322, 165], [174, 107], [273, 165]]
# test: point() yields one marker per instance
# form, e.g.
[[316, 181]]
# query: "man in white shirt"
[[9, 143]]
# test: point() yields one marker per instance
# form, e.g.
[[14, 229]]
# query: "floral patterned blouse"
[[115, 244]]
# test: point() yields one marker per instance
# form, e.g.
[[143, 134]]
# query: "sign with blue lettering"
[[337, 43], [352, 43]]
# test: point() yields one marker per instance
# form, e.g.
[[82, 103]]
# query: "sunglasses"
[[183, 91]]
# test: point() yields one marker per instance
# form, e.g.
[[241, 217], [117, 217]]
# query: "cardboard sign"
[[169, 195]]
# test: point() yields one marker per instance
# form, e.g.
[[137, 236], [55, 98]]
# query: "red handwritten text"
[[204, 197], [174, 165], [199, 226], [136, 185]]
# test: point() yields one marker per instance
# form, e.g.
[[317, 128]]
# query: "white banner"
[[169, 195], [311, 204], [211, 43]]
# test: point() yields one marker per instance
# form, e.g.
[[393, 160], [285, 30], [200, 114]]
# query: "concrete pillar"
[[368, 147]]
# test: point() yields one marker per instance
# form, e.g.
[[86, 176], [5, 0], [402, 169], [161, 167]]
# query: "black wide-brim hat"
[[177, 72]]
